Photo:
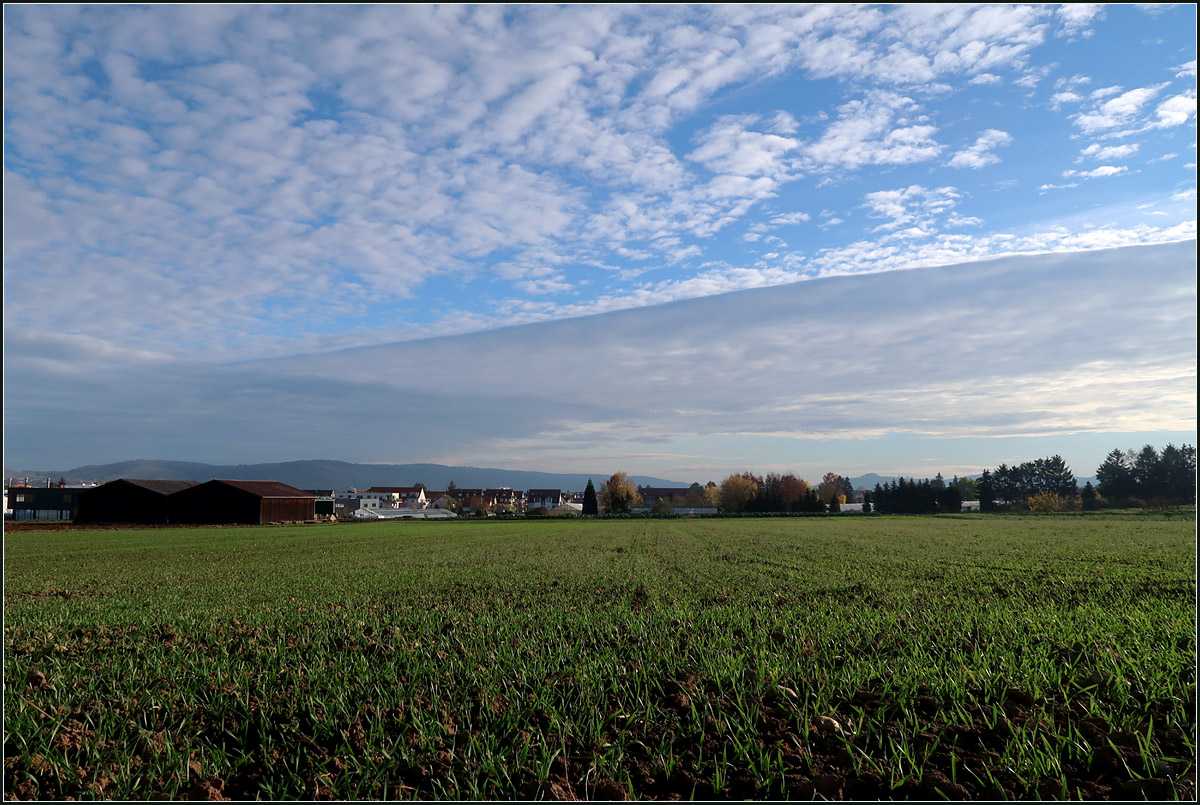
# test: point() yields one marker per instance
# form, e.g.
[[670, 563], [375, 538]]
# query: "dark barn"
[[129, 500], [251, 502]]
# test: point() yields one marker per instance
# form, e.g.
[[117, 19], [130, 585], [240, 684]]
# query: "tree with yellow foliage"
[[618, 494], [737, 491]]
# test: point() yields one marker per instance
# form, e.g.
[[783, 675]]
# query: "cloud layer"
[[230, 180], [1037, 346]]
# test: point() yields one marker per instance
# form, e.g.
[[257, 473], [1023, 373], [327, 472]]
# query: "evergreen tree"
[[1147, 473], [1053, 475], [1017, 484], [987, 495], [880, 499], [814, 502], [1115, 476], [590, 505], [1004, 484], [1178, 473], [950, 500], [1166, 477], [847, 487]]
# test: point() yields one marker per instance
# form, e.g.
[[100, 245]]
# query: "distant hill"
[[337, 475], [869, 480], [343, 475]]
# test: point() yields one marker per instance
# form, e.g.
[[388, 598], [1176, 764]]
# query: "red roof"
[[266, 489]]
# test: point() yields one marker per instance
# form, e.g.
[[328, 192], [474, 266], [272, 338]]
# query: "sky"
[[678, 241]]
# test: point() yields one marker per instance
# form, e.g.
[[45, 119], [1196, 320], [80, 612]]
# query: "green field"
[[969, 656]]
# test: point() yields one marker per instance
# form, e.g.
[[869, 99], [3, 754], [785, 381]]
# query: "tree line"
[[740, 492], [1046, 483], [1149, 477], [1127, 478], [915, 497]]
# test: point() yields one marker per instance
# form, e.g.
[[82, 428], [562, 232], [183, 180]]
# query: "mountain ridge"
[[343, 475], [334, 474]]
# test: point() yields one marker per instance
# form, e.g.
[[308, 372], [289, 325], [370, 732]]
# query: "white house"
[[402, 497], [548, 499]]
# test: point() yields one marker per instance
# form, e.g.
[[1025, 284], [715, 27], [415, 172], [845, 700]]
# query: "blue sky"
[[226, 226]]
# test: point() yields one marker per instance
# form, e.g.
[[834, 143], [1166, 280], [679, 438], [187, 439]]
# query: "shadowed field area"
[[859, 657]]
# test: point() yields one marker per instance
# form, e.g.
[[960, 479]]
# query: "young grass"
[[970, 656]]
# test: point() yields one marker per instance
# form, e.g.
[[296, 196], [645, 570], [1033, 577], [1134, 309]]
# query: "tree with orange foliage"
[[831, 488]]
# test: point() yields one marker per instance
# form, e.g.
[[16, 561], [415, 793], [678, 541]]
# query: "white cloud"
[[1028, 81], [790, 218], [962, 220], [1105, 92], [1097, 151], [1186, 70], [980, 154], [1060, 98], [730, 148], [1098, 173], [1075, 80], [915, 208], [1119, 111], [867, 133], [984, 79], [1175, 111], [784, 123], [1076, 18]]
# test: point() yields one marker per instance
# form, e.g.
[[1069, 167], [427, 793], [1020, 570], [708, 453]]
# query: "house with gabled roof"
[[544, 498]]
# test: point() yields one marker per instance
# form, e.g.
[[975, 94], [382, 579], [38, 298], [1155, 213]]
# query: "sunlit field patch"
[[859, 657]]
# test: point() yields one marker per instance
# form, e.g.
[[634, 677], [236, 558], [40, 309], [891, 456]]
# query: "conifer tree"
[[590, 506]]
